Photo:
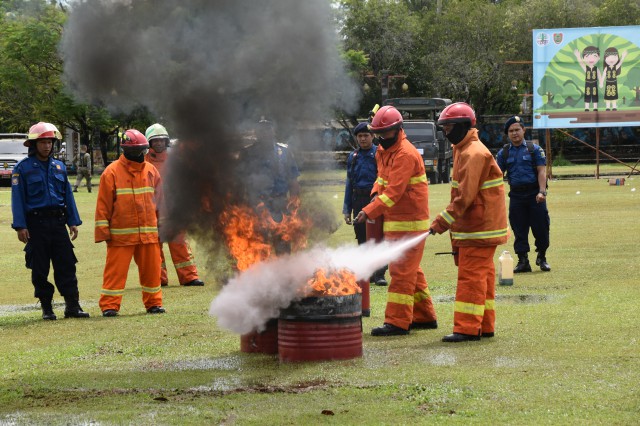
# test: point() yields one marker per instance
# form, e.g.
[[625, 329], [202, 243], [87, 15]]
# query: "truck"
[[420, 116]]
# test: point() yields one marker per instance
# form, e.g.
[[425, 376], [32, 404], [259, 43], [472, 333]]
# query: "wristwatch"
[[543, 193]]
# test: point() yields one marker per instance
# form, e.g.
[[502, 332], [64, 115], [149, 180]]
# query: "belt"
[[56, 212], [524, 188], [362, 191]]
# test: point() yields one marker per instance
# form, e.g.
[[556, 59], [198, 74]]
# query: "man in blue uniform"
[[271, 177], [362, 172], [524, 163], [42, 204]]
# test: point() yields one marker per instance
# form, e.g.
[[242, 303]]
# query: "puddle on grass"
[[231, 363], [509, 298], [220, 384], [35, 307]]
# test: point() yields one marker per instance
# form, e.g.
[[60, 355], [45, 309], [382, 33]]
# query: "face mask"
[[458, 132], [388, 142]]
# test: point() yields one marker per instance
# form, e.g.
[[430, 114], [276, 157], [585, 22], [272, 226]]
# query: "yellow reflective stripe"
[[447, 217], [418, 179], [151, 289], [468, 308], [482, 235], [102, 223], [108, 292], [490, 305], [419, 296], [141, 190], [395, 226], [492, 183], [184, 264], [382, 182], [386, 200], [454, 184], [127, 231], [401, 299]]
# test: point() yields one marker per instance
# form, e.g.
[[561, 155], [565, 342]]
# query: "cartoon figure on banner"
[[612, 64], [588, 61]]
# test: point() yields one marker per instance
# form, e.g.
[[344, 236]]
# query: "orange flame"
[[332, 282], [252, 233]]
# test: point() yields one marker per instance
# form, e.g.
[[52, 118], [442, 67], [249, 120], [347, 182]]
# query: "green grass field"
[[566, 351]]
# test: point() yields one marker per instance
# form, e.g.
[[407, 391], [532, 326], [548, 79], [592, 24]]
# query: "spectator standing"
[[525, 166], [361, 175], [82, 162], [43, 206]]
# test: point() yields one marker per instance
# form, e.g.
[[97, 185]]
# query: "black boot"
[[47, 309], [523, 264], [73, 309], [541, 261]]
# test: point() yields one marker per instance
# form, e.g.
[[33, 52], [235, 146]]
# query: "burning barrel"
[[265, 341], [321, 329]]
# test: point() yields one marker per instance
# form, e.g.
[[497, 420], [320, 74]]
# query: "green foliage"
[[559, 161]]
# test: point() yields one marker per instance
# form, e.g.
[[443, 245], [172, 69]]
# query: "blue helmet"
[[362, 127]]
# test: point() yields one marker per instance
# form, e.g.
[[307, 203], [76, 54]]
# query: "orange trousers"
[[408, 297], [116, 269], [182, 259], [474, 309]]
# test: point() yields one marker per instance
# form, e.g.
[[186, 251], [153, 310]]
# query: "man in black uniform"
[[42, 204], [525, 163]]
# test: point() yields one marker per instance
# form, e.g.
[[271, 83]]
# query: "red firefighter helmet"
[[387, 118], [459, 112], [134, 143], [132, 138], [42, 130]]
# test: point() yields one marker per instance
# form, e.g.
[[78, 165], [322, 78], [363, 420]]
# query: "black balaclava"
[[388, 143], [136, 155], [458, 132]]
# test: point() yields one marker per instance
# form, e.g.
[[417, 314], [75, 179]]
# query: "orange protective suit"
[[181, 254], [127, 219], [403, 201], [477, 220]]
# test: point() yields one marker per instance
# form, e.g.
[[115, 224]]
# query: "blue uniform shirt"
[[519, 164], [41, 185], [362, 172]]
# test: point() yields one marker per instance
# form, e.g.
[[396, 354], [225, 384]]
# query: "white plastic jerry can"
[[505, 269]]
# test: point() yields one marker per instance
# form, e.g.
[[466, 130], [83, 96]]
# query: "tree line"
[[465, 50]]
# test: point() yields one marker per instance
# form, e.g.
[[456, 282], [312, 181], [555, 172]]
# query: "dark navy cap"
[[362, 127], [510, 121]]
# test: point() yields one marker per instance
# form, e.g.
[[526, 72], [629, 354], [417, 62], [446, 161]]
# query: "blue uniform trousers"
[[49, 242], [525, 213]]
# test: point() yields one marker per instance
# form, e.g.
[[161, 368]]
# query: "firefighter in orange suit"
[[181, 254], [127, 219], [401, 197], [476, 218]]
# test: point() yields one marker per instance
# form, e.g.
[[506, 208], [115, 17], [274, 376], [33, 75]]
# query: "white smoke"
[[256, 295]]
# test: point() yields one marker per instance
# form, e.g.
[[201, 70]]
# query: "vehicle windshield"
[[418, 133], [13, 147]]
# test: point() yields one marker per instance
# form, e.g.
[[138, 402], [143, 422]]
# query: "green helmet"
[[156, 131]]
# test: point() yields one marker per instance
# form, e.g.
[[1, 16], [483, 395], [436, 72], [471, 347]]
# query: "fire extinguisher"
[[374, 232]]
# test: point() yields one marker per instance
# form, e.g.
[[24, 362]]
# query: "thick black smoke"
[[211, 69]]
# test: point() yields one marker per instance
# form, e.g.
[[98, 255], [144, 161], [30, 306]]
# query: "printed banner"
[[586, 77]]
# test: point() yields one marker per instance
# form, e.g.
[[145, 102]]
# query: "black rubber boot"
[[541, 261], [47, 310], [73, 309], [523, 264]]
